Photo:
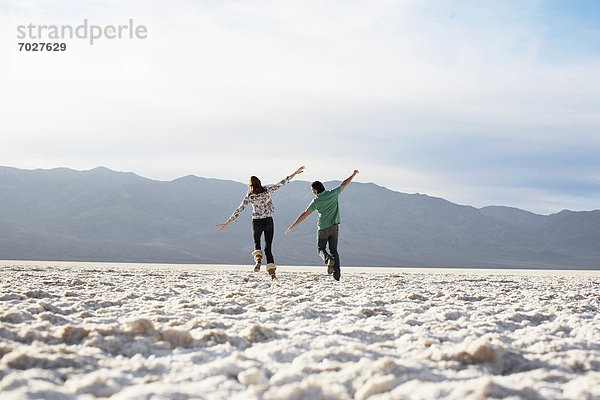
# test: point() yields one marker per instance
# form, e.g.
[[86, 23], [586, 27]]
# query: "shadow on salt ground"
[[487, 388], [366, 336], [491, 359]]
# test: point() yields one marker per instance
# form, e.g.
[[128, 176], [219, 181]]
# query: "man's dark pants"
[[329, 235]]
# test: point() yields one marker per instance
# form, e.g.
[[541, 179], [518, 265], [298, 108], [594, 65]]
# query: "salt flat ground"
[[74, 330]]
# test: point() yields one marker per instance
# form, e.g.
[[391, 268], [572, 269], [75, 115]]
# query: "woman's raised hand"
[[299, 171]]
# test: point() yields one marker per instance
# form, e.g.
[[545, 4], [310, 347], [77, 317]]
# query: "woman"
[[262, 218]]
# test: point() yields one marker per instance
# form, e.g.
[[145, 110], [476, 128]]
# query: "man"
[[326, 204]]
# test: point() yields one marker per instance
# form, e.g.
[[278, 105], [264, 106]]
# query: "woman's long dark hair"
[[255, 185]]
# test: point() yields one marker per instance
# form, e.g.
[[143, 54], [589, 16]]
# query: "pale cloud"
[[385, 87]]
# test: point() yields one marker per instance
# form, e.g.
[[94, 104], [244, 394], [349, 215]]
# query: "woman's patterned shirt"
[[262, 206]]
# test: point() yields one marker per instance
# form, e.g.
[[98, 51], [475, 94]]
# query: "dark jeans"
[[258, 227], [329, 235]]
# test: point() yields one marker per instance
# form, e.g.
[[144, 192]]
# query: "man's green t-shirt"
[[326, 203]]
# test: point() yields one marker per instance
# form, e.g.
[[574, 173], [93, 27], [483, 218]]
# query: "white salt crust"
[[84, 331]]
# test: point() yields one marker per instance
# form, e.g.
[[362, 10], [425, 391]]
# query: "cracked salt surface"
[[70, 330]]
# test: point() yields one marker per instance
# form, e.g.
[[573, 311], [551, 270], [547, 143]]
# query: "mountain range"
[[105, 215]]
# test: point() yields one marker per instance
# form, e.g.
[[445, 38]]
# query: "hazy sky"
[[479, 102]]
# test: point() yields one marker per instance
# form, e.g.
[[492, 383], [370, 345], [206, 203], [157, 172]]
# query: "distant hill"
[[104, 215]]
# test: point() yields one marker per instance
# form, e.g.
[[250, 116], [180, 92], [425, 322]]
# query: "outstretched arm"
[[301, 218], [221, 226], [236, 213], [285, 180], [298, 171], [349, 179]]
